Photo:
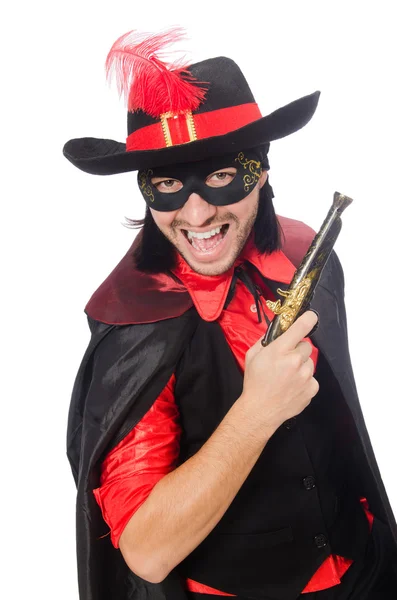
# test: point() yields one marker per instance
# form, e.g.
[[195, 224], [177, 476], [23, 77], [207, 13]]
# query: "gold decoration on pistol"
[[303, 285], [294, 300]]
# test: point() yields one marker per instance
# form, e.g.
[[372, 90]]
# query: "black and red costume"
[[116, 389], [165, 363]]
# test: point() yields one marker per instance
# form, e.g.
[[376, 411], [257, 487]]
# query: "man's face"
[[229, 225]]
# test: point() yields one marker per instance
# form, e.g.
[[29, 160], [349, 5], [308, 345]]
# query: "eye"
[[221, 178], [167, 186]]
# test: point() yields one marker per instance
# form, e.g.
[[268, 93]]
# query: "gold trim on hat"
[[189, 124], [166, 129]]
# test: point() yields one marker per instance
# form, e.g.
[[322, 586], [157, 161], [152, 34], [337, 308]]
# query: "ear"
[[262, 179]]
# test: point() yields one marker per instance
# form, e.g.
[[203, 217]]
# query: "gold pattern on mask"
[[145, 184], [254, 167]]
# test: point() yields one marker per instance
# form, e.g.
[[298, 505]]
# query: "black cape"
[[125, 367]]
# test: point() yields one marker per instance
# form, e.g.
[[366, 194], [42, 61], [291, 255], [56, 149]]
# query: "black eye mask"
[[193, 177]]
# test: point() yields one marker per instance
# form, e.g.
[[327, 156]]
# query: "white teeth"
[[206, 234]]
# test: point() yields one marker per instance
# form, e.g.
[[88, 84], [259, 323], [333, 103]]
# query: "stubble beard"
[[243, 232]]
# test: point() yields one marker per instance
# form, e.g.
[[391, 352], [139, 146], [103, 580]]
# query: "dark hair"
[[156, 254]]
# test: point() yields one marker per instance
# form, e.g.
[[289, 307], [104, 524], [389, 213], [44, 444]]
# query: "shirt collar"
[[209, 292]]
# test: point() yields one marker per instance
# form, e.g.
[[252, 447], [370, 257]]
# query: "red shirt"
[[151, 449]]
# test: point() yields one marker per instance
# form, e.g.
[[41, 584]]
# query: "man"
[[218, 467]]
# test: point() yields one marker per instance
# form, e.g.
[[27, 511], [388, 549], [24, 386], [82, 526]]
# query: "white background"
[[62, 232]]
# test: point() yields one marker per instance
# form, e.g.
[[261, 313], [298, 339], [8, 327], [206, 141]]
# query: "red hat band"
[[173, 129]]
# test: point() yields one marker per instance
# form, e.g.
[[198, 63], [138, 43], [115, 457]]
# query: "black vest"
[[298, 505]]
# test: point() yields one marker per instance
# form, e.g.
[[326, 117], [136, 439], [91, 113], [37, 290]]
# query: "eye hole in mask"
[[215, 180], [219, 181]]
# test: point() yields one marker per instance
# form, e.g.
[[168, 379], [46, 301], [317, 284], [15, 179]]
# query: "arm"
[[133, 471], [185, 505], [133, 467]]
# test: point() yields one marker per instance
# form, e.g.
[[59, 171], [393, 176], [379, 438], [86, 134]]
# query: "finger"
[[314, 387], [255, 348], [298, 330], [308, 368], [316, 325], [304, 349]]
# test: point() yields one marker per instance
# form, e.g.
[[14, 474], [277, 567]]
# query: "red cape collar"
[[128, 296], [209, 292]]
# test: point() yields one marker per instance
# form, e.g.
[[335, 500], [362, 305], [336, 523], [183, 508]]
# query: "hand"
[[278, 379]]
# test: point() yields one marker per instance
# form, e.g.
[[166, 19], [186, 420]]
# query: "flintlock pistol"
[[301, 290]]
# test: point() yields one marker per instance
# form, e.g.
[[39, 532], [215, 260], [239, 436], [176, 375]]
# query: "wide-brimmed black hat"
[[226, 119]]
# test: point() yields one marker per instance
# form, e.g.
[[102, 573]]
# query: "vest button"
[[290, 423], [309, 482], [253, 308], [320, 540]]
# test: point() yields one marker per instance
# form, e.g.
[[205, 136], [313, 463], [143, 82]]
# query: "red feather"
[[149, 82]]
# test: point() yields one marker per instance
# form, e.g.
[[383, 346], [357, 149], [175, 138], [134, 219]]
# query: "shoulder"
[[119, 354], [123, 371], [296, 238], [121, 338], [129, 296]]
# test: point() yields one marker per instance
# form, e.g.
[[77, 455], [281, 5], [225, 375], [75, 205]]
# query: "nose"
[[196, 211]]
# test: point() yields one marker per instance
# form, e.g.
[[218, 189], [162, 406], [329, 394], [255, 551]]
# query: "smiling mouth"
[[206, 245], [216, 237]]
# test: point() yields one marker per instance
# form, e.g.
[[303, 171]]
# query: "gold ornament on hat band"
[[189, 124], [254, 167]]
